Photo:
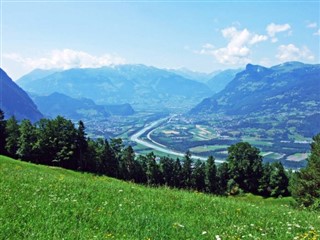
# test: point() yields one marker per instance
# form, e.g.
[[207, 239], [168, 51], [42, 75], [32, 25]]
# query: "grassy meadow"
[[40, 202]]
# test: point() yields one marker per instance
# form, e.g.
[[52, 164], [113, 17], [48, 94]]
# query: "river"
[[157, 146]]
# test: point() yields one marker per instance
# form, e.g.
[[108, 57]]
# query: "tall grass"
[[39, 202]]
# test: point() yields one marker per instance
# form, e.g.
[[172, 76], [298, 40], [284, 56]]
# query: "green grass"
[[39, 202]]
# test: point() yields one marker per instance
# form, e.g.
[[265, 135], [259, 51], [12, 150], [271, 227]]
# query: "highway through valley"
[[157, 146]]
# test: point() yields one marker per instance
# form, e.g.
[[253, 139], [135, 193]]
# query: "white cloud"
[[208, 46], [67, 58], [237, 50], [273, 29], [292, 53], [312, 25], [258, 38], [317, 33]]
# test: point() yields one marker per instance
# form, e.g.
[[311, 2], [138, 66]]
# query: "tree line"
[[59, 142]]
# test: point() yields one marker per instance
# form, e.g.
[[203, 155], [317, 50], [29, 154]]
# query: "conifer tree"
[[211, 175], [82, 146], [177, 172], [186, 171], [167, 170], [198, 176], [152, 170], [306, 188]]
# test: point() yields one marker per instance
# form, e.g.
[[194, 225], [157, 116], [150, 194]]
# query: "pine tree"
[[112, 164], [198, 176], [128, 164], [223, 177], [186, 171], [264, 185], [82, 146], [177, 173], [211, 176], [152, 170], [306, 188], [167, 170], [279, 180]]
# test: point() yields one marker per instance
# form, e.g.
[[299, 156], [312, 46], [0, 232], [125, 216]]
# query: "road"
[[157, 146]]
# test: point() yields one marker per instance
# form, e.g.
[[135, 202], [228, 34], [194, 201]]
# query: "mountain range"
[[220, 80], [257, 89], [15, 101], [141, 86], [60, 104], [289, 92]]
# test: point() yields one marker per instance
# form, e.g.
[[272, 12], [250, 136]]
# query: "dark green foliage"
[[111, 163], [198, 176], [245, 166], [211, 176], [12, 132], [91, 161], [223, 177], [26, 141], [57, 142], [306, 187], [2, 133], [167, 169], [82, 145], [152, 170], [279, 180], [127, 164], [186, 171], [274, 182], [233, 187], [177, 170]]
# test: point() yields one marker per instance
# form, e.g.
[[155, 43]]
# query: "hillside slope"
[[219, 82], [286, 94], [15, 101], [57, 203], [60, 104], [282, 88]]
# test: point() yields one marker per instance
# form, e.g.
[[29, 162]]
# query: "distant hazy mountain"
[[119, 109], [286, 88], [141, 86], [15, 101], [219, 81], [60, 104], [37, 74], [197, 76]]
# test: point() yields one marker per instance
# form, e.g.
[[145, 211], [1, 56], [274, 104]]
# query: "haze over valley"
[[165, 82], [276, 109]]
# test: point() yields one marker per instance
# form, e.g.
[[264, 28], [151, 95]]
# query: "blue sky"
[[198, 35]]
